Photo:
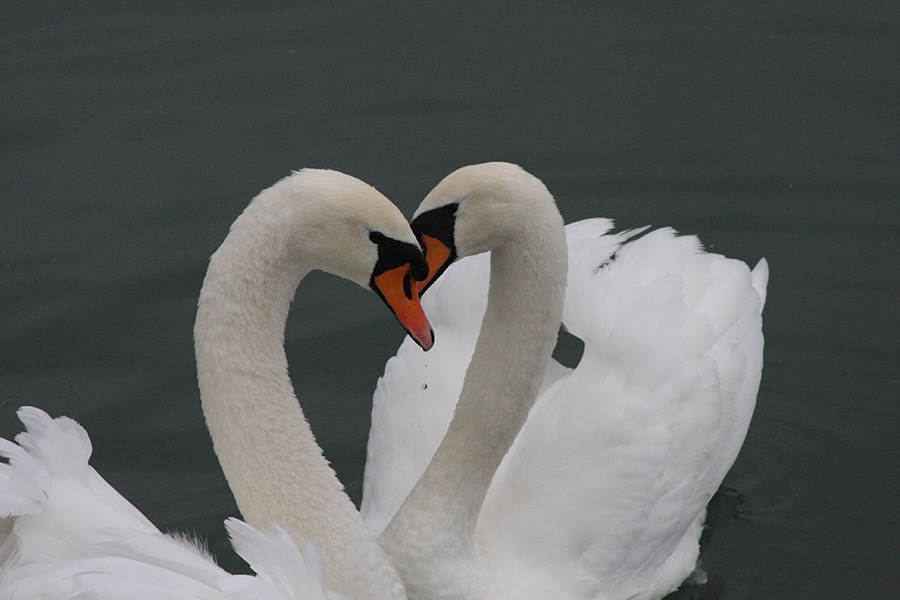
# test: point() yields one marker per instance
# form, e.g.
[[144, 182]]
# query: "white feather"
[[603, 493], [67, 534]]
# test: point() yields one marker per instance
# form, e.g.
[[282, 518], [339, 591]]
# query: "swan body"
[[68, 534], [313, 219], [603, 492]]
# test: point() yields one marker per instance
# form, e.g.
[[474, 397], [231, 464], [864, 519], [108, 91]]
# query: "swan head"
[[333, 222], [476, 209]]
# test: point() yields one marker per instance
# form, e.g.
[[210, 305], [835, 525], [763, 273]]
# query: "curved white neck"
[[433, 532], [267, 451]]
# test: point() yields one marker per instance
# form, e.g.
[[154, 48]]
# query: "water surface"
[[130, 138]]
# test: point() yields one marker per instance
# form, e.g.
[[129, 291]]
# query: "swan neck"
[[516, 339], [264, 444], [437, 521]]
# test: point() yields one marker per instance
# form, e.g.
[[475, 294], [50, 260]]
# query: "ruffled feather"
[[68, 534], [603, 493]]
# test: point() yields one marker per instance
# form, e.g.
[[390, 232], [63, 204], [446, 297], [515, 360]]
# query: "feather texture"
[[67, 534], [604, 490]]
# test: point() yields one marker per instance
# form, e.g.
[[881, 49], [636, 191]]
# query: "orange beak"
[[400, 292], [438, 256]]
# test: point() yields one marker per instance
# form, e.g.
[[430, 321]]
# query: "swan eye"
[[451, 209], [377, 237]]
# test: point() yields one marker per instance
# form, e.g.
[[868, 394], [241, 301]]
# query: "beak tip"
[[425, 341]]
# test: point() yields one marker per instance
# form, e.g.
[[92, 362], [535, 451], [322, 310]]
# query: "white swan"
[[312, 219], [68, 534], [603, 492]]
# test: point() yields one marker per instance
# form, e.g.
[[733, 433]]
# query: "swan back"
[[629, 448]]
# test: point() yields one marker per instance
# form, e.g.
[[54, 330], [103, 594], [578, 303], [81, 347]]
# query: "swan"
[[495, 472], [312, 219], [68, 534]]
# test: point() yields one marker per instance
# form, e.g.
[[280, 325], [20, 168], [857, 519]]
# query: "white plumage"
[[603, 493], [67, 534]]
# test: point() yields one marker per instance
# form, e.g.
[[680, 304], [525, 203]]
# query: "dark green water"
[[131, 136]]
